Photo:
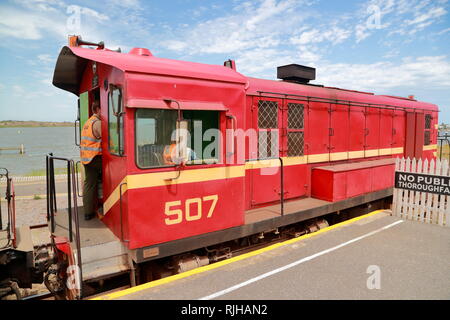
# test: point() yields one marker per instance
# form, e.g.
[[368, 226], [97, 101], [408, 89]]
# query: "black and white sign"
[[423, 183]]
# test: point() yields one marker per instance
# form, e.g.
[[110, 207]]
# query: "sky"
[[393, 47]]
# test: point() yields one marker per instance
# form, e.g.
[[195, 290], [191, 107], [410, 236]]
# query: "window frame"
[[268, 131], [295, 130], [119, 117], [427, 130], [164, 166]]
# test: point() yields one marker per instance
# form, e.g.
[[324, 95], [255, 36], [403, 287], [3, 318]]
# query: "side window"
[[115, 121], [155, 133], [295, 129], [267, 121], [427, 138]]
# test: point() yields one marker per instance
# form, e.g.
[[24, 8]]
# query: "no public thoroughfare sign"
[[422, 182]]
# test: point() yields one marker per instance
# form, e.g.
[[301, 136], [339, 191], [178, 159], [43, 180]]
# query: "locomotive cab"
[[162, 128]]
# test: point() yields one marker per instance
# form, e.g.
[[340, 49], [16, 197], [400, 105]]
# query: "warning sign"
[[422, 182]]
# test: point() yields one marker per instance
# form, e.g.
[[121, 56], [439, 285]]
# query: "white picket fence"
[[422, 206]]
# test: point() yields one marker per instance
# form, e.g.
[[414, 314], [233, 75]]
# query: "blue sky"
[[395, 47]]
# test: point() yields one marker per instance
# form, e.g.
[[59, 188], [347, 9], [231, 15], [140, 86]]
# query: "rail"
[[72, 193], [280, 95]]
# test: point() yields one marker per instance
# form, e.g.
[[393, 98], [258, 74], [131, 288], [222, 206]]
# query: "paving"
[[377, 257]]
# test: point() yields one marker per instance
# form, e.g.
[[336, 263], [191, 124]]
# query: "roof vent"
[[296, 73], [141, 52]]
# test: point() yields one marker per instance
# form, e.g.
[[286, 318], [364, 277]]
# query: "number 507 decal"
[[193, 209]]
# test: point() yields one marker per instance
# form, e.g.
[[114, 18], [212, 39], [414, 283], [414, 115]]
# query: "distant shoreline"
[[24, 124]]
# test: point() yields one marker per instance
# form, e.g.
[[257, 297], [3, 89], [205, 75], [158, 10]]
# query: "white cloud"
[[402, 17], [332, 34], [261, 24], [28, 25], [432, 72], [444, 31], [46, 58]]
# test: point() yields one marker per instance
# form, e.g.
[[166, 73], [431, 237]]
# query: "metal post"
[[50, 195], [52, 176], [48, 186]]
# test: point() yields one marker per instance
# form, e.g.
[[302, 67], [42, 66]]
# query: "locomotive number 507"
[[193, 209]]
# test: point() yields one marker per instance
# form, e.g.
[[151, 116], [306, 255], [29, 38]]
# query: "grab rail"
[[11, 208], [72, 183], [281, 185]]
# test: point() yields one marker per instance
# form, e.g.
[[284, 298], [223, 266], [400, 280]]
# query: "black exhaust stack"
[[296, 73]]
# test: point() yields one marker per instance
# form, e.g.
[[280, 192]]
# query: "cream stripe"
[[156, 179], [336, 156], [385, 152], [371, 153], [114, 196], [314, 158], [356, 154], [137, 181], [430, 147]]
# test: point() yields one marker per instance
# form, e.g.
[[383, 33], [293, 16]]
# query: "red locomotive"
[[268, 154]]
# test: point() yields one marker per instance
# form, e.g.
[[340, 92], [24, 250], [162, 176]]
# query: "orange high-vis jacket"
[[90, 146], [169, 151]]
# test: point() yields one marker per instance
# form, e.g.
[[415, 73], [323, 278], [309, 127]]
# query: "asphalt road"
[[379, 257], [29, 189]]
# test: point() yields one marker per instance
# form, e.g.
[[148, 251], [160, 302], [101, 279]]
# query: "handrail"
[[281, 186], [72, 203], [10, 203], [335, 101]]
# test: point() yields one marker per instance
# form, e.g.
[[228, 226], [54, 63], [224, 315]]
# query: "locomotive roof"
[[281, 88], [72, 61]]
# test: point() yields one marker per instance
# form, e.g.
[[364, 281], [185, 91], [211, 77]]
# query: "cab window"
[[115, 121], [155, 134]]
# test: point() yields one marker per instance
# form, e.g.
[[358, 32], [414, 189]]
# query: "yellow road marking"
[[216, 265]]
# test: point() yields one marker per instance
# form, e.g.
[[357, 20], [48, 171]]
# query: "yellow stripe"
[[269, 163], [371, 153], [115, 195], [336, 156], [385, 152], [157, 179], [356, 154], [314, 158], [216, 265], [430, 147]]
